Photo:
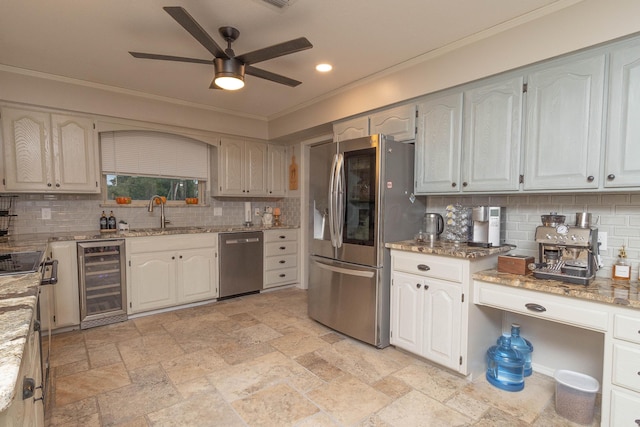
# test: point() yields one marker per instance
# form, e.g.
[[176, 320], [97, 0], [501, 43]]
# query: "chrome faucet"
[[163, 220]]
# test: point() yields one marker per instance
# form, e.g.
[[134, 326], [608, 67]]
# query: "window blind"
[[147, 153]]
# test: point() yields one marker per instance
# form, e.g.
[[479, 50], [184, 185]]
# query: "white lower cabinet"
[[164, 271], [280, 257], [625, 371], [62, 299], [431, 314]]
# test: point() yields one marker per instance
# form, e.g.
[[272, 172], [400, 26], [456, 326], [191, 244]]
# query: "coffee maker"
[[488, 226], [568, 254]]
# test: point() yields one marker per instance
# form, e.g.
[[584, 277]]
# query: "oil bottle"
[[103, 221], [621, 270]]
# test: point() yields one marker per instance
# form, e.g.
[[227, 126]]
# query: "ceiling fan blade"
[[170, 58], [280, 49], [188, 23], [268, 75]]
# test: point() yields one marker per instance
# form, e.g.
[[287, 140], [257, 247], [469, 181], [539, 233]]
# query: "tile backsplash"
[[82, 212], [617, 214]]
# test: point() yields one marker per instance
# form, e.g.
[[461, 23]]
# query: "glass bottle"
[[621, 270], [505, 366], [111, 221], [523, 346], [103, 221]]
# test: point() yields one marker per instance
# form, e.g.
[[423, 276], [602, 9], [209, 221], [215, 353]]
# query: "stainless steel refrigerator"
[[360, 197]]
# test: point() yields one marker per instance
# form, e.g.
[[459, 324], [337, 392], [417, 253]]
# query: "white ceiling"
[[90, 40]]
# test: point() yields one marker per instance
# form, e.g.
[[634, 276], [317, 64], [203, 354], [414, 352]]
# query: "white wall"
[[587, 23]]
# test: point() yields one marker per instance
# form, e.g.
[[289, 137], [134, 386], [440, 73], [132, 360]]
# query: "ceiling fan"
[[229, 67]]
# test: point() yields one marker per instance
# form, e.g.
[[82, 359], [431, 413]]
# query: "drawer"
[[626, 328], [280, 235], [625, 409], [172, 242], [626, 366], [280, 277], [280, 248], [277, 262], [429, 266], [556, 308]]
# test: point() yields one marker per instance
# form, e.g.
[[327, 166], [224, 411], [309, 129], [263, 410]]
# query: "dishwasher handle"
[[240, 241]]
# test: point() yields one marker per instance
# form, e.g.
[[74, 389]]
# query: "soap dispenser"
[[621, 270]]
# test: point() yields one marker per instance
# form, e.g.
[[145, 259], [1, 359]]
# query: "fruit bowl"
[[123, 200], [191, 200]]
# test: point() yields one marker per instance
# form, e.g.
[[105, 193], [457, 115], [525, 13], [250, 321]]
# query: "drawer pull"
[[282, 275], [282, 248], [423, 267], [535, 307], [282, 261], [282, 237], [418, 285]]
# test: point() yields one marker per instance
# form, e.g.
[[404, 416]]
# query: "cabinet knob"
[[638, 421], [464, 184], [611, 177], [423, 267], [535, 307], [173, 257], [48, 184], [180, 256], [28, 388], [590, 178], [426, 287], [453, 184], [57, 184], [418, 285]]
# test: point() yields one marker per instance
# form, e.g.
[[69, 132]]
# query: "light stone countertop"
[[439, 247], [18, 293], [602, 290]]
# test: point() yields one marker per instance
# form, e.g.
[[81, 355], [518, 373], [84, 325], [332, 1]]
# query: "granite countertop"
[[600, 290], [439, 247], [19, 293]]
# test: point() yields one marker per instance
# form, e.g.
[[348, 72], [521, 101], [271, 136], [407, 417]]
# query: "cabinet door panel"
[[231, 168], [623, 134], [625, 408], [351, 129], [438, 145], [74, 153], [442, 323], [197, 275], [398, 123], [406, 308], [153, 283], [277, 170], [66, 293], [564, 126], [492, 137], [27, 149]]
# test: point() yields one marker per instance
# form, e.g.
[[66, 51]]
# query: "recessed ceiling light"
[[323, 68]]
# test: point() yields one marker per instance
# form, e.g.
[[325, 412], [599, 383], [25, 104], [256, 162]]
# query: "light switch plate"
[[46, 213], [602, 240]]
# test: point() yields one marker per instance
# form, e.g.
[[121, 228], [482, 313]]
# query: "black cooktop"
[[20, 262]]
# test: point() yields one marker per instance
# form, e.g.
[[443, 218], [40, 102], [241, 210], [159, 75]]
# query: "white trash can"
[[575, 395]]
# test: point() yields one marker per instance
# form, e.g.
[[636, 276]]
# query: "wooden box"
[[514, 264]]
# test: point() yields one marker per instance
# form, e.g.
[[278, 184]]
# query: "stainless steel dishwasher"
[[241, 261]]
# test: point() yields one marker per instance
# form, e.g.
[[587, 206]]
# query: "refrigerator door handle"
[[348, 271], [340, 196], [332, 199]]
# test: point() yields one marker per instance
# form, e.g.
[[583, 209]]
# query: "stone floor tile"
[[417, 409], [279, 405], [320, 367], [192, 366], [148, 349], [93, 382], [209, 410], [75, 414], [109, 334], [104, 355], [435, 383]]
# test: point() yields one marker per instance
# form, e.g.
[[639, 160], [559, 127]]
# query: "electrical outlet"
[[602, 240], [46, 213], [257, 211]]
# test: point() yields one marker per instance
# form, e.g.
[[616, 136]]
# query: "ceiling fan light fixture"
[[229, 73]]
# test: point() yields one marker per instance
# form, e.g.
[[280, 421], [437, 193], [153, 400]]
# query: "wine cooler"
[[103, 291]]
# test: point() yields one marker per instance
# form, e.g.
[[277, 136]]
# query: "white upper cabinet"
[[437, 160], [46, 152], [622, 156], [564, 125], [492, 136], [242, 168], [277, 175], [398, 123], [350, 129]]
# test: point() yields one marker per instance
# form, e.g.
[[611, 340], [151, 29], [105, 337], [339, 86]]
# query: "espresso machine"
[[568, 254]]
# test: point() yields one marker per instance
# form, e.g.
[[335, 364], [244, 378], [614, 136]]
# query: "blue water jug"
[[523, 346], [505, 366]]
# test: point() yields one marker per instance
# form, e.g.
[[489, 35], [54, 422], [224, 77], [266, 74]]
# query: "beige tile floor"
[[260, 361]]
